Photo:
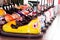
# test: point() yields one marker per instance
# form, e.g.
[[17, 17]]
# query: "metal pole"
[[37, 2], [41, 5], [10, 1], [47, 4], [44, 4], [37, 5], [53, 2]]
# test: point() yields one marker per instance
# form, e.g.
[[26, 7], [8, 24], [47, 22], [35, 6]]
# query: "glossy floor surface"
[[53, 32]]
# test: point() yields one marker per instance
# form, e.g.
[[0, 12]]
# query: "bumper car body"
[[31, 28]]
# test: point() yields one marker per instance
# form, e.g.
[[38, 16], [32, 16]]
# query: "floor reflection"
[[53, 32]]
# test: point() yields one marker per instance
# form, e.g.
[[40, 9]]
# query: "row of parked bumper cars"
[[27, 18], [47, 12]]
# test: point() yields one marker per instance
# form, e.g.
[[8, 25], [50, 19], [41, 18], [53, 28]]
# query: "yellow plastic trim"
[[29, 28]]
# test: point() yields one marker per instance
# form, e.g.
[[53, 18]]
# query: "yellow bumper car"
[[32, 29]]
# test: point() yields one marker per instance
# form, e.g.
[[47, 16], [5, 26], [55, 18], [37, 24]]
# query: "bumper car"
[[32, 29], [25, 29]]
